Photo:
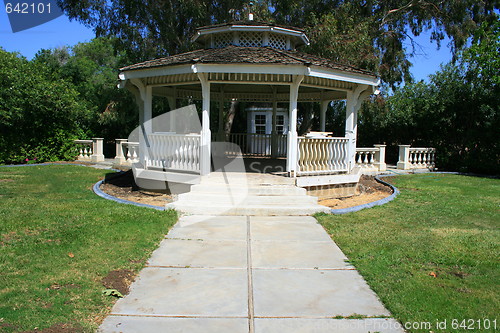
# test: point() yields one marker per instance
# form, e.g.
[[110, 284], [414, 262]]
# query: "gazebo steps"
[[235, 190], [261, 194]]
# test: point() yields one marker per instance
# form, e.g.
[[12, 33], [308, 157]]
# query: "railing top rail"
[[325, 138], [421, 149], [129, 143], [83, 141], [367, 149], [175, 134]]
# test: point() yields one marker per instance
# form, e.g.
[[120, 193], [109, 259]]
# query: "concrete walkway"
[[249, 274]]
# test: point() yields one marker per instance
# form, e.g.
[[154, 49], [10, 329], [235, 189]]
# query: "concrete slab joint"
[[249, 274]]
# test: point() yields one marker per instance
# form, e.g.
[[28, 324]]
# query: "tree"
[[370, 34], [39, 117], [92, 68]]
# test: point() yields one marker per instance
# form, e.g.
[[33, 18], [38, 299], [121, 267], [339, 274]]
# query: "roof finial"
[[250, 14]]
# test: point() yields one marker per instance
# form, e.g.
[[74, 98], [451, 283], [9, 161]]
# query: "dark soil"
[[58, 328], [123, 186], [120, 280], [368, 184]]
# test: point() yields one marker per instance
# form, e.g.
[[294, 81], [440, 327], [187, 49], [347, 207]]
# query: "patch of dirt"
[[124, 187], [119, 279], [368, 190], [58, 328], [6, 180], [57, 286], [7, 327]]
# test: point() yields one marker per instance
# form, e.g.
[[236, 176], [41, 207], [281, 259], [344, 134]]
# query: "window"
[[260, 124], [280, 124]]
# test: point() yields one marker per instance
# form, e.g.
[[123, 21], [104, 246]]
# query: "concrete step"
[[246, 178], [220, 198], [254, 210], [250, 190]]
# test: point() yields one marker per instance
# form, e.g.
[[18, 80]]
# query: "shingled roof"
[[245, 55]]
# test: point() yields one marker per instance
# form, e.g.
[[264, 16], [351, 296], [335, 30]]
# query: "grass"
[[58, 240], [432, 254]]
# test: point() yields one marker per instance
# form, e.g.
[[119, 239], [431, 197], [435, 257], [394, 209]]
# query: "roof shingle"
[[245, 55]]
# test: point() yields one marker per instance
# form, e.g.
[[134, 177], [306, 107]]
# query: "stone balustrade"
[[90, 150], [127, 152], [416, 158], [371, 160]]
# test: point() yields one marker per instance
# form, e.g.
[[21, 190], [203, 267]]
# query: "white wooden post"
[[274, 134], [380, 158], [292, 151], [353, 104], [97, 151], [404, 157], [145, 122], [120, 158], [322, 115], [205, 126]]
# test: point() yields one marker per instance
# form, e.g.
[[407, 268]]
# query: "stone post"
[[97, 150], [120, 158], [380, 158], [404, 157]]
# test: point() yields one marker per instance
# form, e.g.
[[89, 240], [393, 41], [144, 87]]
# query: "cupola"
[[250, 34]]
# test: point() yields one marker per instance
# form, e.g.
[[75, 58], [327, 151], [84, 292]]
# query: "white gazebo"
[[248, 61]]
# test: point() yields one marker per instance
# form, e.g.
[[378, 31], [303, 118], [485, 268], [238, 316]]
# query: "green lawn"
[[432, 254], [58, 240]]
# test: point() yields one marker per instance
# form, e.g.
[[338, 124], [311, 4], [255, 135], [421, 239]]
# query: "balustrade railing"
[[416, 158], [371, 160], [322, 155], [84, 149], [174, 151], [90, 150], [127, 152]]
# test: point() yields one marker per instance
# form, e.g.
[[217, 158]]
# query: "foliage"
[[58, 240], [370, 34], [92, 68], [431, 253], [39, 117], [457, 112]]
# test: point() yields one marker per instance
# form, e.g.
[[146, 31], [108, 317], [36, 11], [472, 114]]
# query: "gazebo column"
[[292, 151], [322, 115], [206, 139], [274, 134], [353, 104]]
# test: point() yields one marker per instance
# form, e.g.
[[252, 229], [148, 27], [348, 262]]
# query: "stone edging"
[[380, 202], [97, 190]]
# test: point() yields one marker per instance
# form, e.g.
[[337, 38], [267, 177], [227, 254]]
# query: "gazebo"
[[248, 61]]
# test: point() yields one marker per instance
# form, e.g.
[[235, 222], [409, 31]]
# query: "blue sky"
[[62, 31]]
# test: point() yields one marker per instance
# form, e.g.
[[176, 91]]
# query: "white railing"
[[127, 152], [416, 158], [322, 155], [371, 160], [174, 151], [90, 150], [257, 144]]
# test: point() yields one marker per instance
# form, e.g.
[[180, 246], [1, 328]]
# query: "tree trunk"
[[230, 116], [306, 123]]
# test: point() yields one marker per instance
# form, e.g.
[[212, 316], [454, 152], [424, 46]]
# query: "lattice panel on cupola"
[[222, 40], [250, 39], [277, 41]]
